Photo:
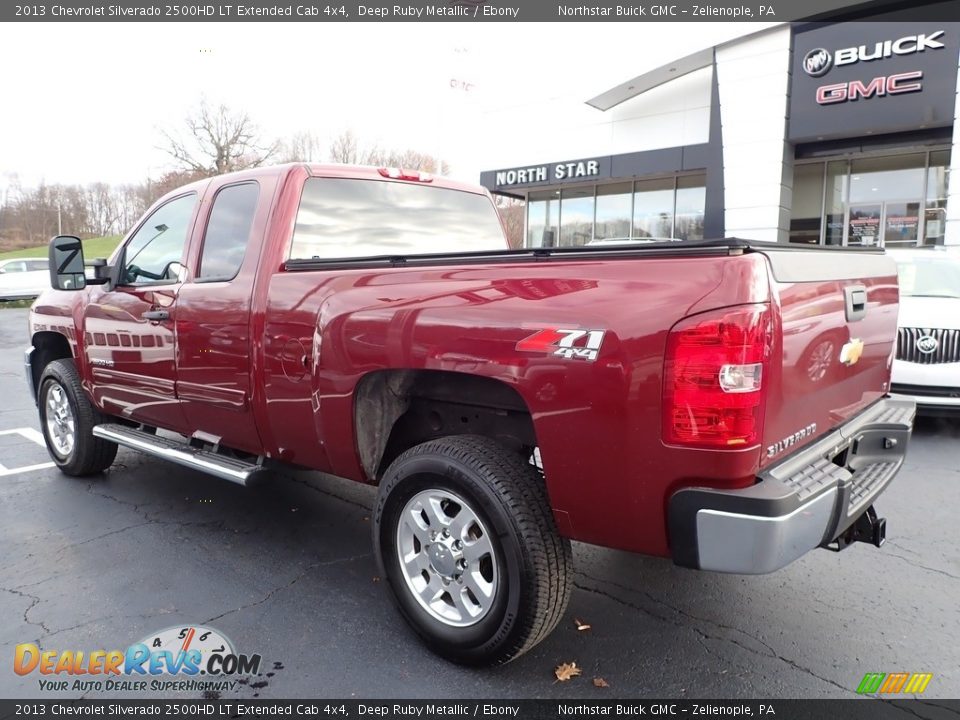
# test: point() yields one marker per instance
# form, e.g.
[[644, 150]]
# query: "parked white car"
[[927, 364], [22, 278]]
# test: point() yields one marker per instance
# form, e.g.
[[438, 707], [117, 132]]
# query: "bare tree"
[[102, 209], [346, 149], [132, 201], [512, 211], [406, 159], [303, 146], [218, 140]]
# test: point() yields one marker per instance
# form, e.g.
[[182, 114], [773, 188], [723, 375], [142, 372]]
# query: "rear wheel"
[[466, 540], [67, 419]]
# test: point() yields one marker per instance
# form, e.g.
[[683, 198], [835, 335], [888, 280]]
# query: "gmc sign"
[[854, 79], [878, 87]]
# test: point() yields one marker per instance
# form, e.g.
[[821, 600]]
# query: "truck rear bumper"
[[807, 500]]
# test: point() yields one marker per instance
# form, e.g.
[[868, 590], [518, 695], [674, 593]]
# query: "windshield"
[[934, 276], [346, 218]]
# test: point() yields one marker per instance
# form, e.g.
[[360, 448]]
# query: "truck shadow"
[[285, 569]]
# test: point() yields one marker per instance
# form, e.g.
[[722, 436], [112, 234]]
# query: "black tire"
[[88, 455], [508, 496]]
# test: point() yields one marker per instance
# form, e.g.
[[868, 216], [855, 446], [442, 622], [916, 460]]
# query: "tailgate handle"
[[855, 300]]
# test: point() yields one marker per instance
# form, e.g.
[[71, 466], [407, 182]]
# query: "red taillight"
[[401, 174], [713, 378]]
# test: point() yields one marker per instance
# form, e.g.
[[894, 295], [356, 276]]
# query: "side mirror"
[[66, 263]]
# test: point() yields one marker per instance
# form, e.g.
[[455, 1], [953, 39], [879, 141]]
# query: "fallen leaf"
[[581, 625], [566, 671], [600, 682]]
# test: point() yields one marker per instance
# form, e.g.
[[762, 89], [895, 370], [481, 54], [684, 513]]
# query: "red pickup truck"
[[723, 403]]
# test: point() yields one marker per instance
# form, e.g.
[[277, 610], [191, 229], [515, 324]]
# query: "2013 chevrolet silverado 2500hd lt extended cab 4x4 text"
[[723, 403]]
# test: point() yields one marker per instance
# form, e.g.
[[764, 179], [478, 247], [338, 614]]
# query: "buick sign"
[[817, 62]]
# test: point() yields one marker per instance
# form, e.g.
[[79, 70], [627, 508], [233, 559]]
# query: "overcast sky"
[[84, 102]]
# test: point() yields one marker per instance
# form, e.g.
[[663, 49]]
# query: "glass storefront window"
[[890, 200], [863, 224], [670, 207], [886, 178], [576, 216], [901, 223], [653, 208], [543, 218], [691, 200], [806, 218], [835, 202], [614, 205], [935, 215], [891, 187]]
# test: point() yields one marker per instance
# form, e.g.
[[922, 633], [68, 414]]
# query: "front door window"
[[154, 253]]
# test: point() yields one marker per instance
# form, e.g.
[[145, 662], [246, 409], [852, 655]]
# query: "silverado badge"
[[851, 352]]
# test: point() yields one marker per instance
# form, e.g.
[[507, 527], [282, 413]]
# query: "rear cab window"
[[342, 218], [228, 232]]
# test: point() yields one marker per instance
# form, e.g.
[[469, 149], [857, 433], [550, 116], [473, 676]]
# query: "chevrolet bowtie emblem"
[[851, 352]]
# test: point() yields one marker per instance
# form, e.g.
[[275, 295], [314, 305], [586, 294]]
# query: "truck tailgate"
[[839, 318]]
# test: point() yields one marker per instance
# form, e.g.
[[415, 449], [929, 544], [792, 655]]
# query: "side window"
[[228, 231], [38, 265], [15, 267], [156, 249]]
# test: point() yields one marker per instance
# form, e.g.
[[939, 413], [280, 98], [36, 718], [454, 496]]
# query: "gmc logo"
[[897, 84]]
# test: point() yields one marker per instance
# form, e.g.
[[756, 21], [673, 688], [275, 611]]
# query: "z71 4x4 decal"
[[566, 343]]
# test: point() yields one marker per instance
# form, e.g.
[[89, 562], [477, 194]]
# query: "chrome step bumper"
[[811, 499]]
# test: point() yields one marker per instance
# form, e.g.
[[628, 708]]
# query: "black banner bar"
[[468, 10], [853, 709]]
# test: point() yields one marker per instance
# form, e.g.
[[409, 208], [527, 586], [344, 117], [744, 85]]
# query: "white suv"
[[927, 364]]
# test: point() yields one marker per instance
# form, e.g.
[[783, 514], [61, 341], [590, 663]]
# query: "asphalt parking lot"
[[285, 570]]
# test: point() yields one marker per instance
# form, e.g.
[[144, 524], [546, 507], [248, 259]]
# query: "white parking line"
[[28, 468], [28, 433], [33, 436]]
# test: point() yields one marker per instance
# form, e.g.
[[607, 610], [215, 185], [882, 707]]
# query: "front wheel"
[[466, 540], [67, 419]]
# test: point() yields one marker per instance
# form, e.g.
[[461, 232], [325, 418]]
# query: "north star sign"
[[543, 173]]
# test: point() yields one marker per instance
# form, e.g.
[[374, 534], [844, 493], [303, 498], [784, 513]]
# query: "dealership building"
[[835, 134]]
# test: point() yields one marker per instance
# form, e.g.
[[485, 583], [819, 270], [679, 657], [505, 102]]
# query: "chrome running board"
[[212, 463]]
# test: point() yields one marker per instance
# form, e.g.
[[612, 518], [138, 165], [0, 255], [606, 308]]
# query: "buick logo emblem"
[[817, 62], [927, 344]]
